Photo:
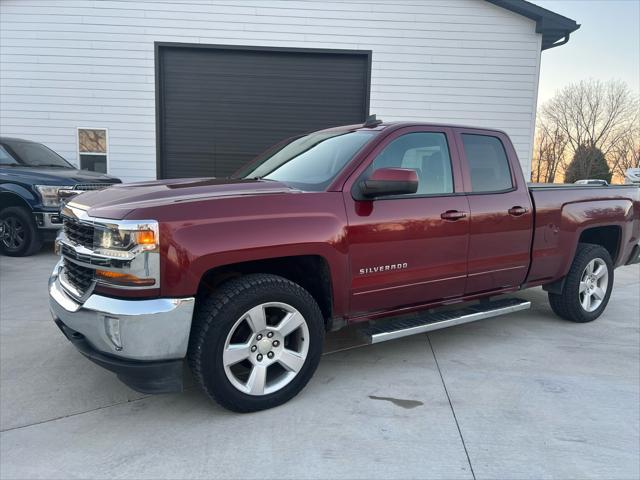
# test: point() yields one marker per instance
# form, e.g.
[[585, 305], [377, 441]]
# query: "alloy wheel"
[[13, 233], [593, 285], [266, 348]]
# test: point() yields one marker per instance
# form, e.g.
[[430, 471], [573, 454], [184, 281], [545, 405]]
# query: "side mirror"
[[389, 181]]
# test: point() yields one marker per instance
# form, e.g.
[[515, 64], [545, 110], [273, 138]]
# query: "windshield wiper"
[[50, 165]]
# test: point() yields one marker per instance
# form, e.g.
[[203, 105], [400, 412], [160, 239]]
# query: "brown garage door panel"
[[218, 107]]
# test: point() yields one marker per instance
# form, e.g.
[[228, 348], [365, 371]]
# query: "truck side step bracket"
[[421, 323]]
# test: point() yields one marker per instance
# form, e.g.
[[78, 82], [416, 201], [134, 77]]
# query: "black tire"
[[216, 315], [20, 236], [567, 305]]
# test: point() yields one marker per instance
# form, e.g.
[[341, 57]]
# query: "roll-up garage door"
[[218, 107]]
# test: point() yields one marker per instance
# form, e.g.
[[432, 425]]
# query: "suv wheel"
[[587, 286], [19, 235], [256, 342]]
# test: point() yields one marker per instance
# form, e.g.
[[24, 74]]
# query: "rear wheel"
[[256, 342], [19, 235], [587, 286]]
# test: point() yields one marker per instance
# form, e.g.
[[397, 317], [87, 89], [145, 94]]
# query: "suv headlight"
[[49, 194]]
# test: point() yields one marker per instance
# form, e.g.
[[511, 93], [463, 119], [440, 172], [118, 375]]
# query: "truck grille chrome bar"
[[91, 259]]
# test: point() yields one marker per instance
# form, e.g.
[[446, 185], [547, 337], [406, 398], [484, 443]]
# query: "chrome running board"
[[391, 329]]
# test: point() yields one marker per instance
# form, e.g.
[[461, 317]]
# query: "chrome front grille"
[[80, 260], [81, 278], [92, 186], [78, 232]]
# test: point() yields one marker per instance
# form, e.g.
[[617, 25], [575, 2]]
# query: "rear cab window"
[[489, 168]]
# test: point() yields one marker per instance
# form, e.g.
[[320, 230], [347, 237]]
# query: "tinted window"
[[6, 158], [30, 154], [488, 163], [312, 161], [427, 154]]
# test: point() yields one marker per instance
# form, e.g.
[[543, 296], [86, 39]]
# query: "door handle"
[[452, 215], [517, 211]]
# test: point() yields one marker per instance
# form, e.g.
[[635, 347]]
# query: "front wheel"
[[256, 342], [587, 286], [19, 235]]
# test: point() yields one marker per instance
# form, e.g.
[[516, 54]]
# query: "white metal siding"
[[66, 63]]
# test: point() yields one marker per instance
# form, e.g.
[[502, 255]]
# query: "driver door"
[[409, 249]]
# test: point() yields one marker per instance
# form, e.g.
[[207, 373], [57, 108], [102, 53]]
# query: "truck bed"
[[565, 214]]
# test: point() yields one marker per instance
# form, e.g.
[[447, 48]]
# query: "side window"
[[425, 152], [6, 158], [488, 163]]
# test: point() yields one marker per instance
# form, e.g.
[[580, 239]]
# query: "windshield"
[[310, 162], [29, 154]]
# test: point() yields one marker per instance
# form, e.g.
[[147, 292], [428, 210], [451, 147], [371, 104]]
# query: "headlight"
[[119, 241], [49, 194]]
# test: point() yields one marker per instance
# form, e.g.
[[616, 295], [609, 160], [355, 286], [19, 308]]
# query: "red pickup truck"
[[388, 224]]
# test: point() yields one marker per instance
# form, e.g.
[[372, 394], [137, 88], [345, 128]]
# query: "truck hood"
[[120, 200], [54, 176]]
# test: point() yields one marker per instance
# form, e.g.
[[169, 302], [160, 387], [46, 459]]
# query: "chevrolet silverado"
[[403, 228]]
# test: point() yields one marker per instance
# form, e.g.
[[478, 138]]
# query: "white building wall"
[[66, 64]]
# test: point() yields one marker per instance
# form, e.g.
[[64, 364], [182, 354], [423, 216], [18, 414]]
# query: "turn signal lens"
[[123, 279], [145, 237]]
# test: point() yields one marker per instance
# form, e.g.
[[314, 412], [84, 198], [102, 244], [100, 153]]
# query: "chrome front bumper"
[[144, 330]]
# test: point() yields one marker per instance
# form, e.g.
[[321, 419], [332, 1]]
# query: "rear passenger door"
[[501, 219]]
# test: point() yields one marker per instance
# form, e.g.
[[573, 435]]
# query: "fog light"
[[112, 328]]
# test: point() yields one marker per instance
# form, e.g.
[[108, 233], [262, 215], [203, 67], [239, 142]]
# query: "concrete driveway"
[[522, 396]]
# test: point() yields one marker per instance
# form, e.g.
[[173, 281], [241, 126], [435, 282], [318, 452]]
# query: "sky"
[[606, 46]]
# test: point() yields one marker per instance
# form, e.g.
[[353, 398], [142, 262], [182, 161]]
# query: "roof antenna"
[[372, 121]]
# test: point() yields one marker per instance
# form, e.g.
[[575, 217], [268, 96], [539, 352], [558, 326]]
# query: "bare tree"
[[549, 152], [626, 153], [594, 114]]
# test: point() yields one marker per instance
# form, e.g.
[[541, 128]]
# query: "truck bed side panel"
[[562, 214]]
